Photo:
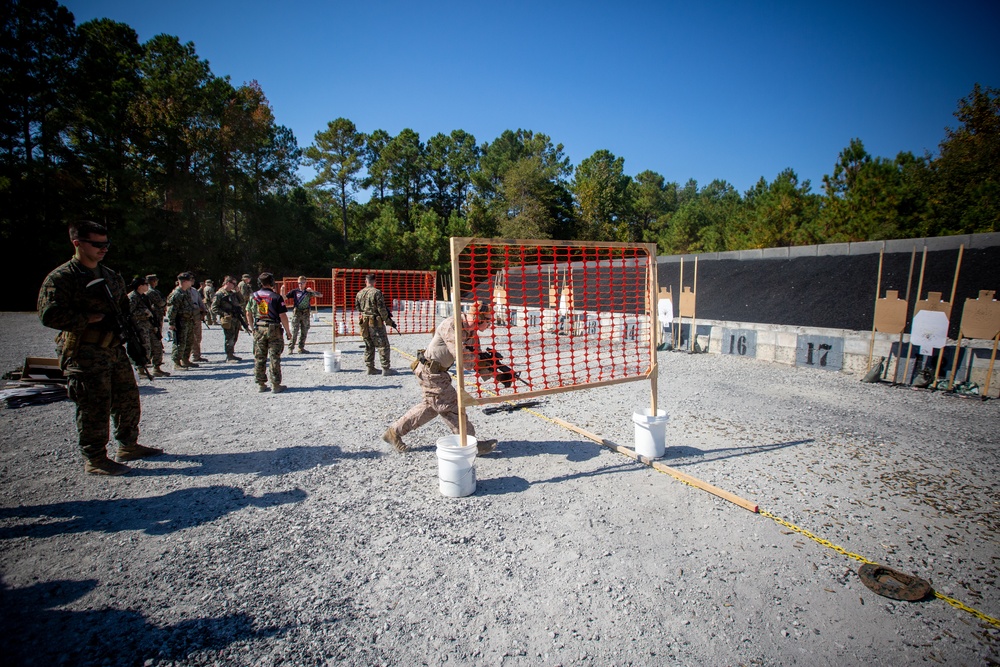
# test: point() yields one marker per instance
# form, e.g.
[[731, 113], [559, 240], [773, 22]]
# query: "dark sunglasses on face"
[[97, 244]]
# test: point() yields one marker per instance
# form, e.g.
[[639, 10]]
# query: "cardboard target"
[[890, 313], [981, 317], [934, 302]]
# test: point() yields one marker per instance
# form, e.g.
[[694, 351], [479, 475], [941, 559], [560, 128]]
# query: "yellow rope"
[[957, 604]]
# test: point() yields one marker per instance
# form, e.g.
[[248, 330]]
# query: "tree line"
[[192, 172]]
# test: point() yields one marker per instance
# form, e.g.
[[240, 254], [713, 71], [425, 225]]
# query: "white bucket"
[[331, 361], [456, 466], [650, 432]]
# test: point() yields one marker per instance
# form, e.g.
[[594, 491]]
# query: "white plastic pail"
[[331, 361], [650, 432], [456, 466]]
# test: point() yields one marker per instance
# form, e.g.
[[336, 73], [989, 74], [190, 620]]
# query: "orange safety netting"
[[409, 296], [563, 316], [322, 285]]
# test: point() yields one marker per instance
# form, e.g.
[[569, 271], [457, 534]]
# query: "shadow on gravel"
[[625, 466], [159, 515], [501, 485], [148, 390], [575, 451], [706, 455], [35, 633], [265, 463]]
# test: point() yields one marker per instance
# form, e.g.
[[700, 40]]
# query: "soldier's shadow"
[[158, 515], [37, 631], [265, 463]]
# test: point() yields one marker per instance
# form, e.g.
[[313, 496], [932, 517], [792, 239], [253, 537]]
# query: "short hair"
[[266, 279], [85, 229], [136, 283], [229, 279], [302, 279], [371, 278]]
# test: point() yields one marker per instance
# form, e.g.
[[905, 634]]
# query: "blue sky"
[[703, 90]]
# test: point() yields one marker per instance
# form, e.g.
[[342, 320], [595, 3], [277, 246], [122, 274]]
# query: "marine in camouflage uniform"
[[246, 291], [99, 375], [207, 294], [269, 318], [159, 308], [373, 316], [301, 299], [141, 311], [227, 306], [180, 316], [439, 397]]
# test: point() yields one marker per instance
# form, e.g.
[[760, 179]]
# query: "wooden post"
[[456, 302], [920, 287], [878, 294], [680, 318], [694, 304], [651, 305], [909, 283], [954, 288]]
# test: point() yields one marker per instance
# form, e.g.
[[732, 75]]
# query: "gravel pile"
[[280, 529]]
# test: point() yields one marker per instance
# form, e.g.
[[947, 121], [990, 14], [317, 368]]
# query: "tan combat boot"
[[278, 388], [137, 451], [105, 466], [393, 439]]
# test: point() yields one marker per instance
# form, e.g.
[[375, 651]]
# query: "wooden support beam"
[[656, 465]]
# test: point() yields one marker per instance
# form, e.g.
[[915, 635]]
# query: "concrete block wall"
[[780, 344]]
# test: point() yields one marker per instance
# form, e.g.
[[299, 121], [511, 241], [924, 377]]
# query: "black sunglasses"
[[97, 244]]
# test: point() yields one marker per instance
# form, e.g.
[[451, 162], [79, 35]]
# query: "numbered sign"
[[739, 342], [822, 352]]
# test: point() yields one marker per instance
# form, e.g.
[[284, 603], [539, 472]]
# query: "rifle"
[[238, 314], [127, 331], [503, 374]]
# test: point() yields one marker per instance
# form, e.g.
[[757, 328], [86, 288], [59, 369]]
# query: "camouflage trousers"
[[196, 338], [439, 400], [152, 344], [101, 383], [232, 334], [374, 334], [300, 327], [268, 345], [183, 339]]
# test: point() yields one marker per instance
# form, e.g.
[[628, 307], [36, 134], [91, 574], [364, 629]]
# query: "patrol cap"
[[185, 275], [151, 276], [246, 275]]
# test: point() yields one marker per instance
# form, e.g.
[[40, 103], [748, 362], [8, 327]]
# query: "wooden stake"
[[954, 289], [694, 304], [909, 283], [878, 293], [456, 302], [654, 322], [920, 287], [656, 465]]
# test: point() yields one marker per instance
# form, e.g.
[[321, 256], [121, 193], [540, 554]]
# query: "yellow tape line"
[[957, 604]]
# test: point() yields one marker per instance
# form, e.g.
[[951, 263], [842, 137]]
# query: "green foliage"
[[191, 172]]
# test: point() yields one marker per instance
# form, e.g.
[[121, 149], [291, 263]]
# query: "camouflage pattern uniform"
[[180, 313], [142, 314], [268, 341], [207, 294], [226, 306], [373, 318], [301, 310], [246, 291], [100, 377], [440, 399], [159, 307], [200, 308]]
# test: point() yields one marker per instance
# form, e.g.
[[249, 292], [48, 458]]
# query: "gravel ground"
[[280, 529]]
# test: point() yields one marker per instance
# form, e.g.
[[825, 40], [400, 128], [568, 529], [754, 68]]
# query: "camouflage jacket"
[[371, 303], [245, 291], [158, 305], [141, 310], [226, 303], [65, 302], [180, 305]]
